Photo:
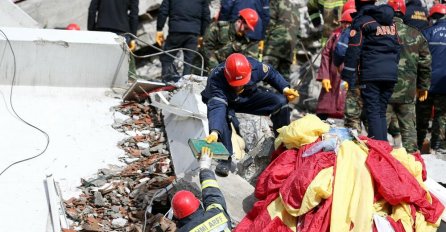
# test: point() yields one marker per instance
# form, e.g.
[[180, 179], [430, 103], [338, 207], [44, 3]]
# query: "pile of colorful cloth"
[[362, 185]]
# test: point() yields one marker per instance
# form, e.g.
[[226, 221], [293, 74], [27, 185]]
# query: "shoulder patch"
[[265, 68], [352, 32]]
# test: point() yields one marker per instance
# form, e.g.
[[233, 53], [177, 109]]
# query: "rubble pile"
[[116, 199]]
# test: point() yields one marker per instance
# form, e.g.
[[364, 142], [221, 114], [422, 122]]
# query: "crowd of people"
[[381, 67]]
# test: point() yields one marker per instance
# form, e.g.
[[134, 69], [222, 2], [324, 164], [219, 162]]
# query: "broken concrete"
[[64, 58], [435, 167], [12, 16]]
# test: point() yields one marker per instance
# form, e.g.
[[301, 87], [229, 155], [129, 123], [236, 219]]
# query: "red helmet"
[[73, 26], [350, 4], [237, 70], [398, 5], [184, 203], [250, 16], [437, 9], [346, 16]]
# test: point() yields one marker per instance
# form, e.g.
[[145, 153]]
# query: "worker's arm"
[[424, 65], [211, 43], [205, 16], [352, 56], [265, 15], [324, 69], [314, 12], [272, 77], [92, 10], [212, 195], [133, 16], [162, 15], [217, 105]]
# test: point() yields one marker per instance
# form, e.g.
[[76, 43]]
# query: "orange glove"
[[326, 84], [421, 94], [132, 45], [212, 137], [159, 38], [261, 44], [290, 94]]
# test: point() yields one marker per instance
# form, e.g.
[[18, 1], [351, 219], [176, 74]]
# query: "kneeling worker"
[[186, 207], [232, 87]]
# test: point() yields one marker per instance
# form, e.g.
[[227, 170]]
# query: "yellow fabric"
[[422, 225], [320, 188], [382, 208], [276, 209], [353, 191], [300, 132]]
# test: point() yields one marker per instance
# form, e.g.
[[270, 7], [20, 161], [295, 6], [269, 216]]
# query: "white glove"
[[205, 158]]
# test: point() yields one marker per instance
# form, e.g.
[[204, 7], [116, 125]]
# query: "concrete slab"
[[63, 58], [12, 16], [435, 168], [78, 122]]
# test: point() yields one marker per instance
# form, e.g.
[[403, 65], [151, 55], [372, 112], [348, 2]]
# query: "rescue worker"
[[414, 71], [435, 36], [331, 11], [282, 35], [232, 87], [332, 97], [188, 21], [416, 15], [187, 208], [226, 37], [230, 9], [373, 54]]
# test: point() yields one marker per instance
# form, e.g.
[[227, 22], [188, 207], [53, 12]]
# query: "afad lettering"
[[385, 30]]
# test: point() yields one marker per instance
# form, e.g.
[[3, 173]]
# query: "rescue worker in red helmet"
[[226, 37], [187, 208], [232, 87]]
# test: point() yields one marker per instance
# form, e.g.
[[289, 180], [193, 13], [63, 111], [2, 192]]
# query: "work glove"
[[422, 95], [261, 44], [344, 84], [159, 38], [326, 84], [132, 45], [205, 158], [200, 41], [212, 137], [290, 94]]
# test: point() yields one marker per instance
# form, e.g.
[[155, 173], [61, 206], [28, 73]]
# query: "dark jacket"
[[416, 15], [373, 50], [435, 36], [219, 96], [230, 11], [185, 16], [117, 16], [214, 215]]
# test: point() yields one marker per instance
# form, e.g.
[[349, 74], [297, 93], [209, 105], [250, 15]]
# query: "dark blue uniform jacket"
[[214, 216], [219, 96], [373, 49], [230, 8], [416, 15], [436, 37]]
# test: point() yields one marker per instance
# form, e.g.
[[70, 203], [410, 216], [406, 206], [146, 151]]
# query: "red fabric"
[[277, 152], [318, 219], [418, 157], [332, 102], [295, 186], [258, 218], [395, 183], [397, 226]]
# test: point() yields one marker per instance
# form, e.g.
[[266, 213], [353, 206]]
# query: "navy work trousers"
[[258, 102], [375, 96]]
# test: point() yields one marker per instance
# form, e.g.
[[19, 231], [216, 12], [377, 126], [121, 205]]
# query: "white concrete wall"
[[47, 57], [12, 16]]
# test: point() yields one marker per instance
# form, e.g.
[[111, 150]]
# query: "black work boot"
[[223, 167]]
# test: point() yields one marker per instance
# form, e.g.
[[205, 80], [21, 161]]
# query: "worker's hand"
[[212, 137], [326, 84], [422, 95], [132, 45], [261, 45], [159, 38], [290, 94], [205, 158], [345, 85], [200, 41]]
